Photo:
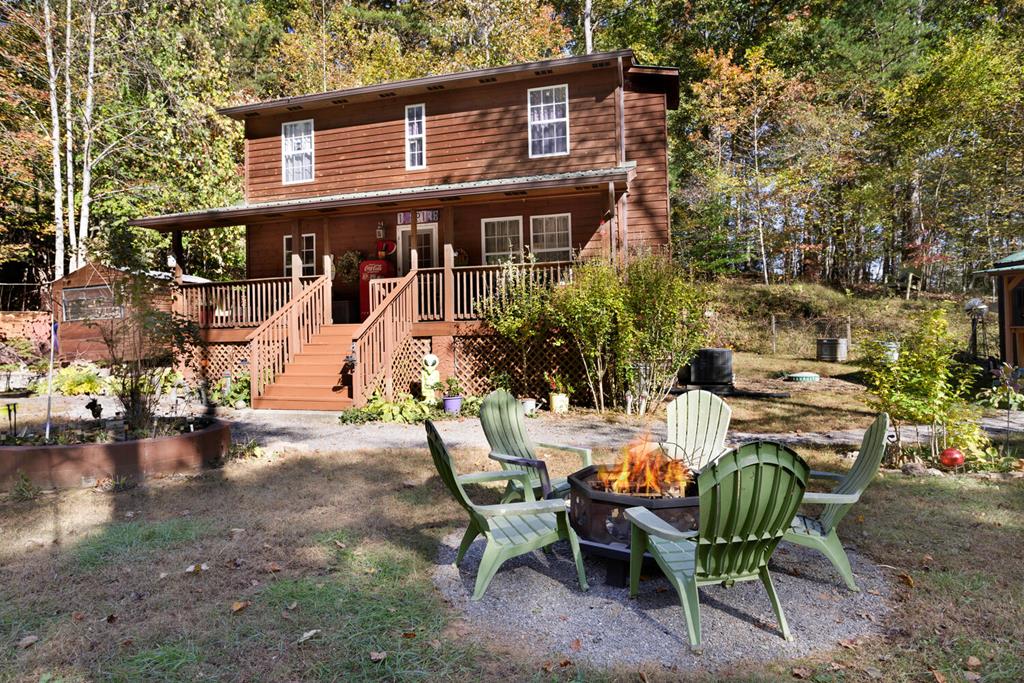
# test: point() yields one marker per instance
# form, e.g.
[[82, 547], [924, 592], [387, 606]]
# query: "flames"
[[646, 470]]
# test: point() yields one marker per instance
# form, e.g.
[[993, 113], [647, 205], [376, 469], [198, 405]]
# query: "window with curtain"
[[549, 121], [297, 151], [550, 237], [502, 239], [415, 136]]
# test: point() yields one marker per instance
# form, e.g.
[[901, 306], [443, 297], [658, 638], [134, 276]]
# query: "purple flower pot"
[[452, 404]]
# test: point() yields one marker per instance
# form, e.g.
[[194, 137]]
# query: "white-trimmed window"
[[416, 136], [549, 120], [550, 237], [297, 152], [308, 254], [502, 238]]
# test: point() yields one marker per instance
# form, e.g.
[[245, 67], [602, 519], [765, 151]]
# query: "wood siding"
[[647, 143], [471, 134]]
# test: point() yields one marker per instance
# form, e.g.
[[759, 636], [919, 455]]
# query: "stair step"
[[315, 365], [311, 381], [336, 404], [327, 393]]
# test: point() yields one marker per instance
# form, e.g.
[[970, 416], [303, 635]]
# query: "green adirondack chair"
[[501, 416], [511, 529], [748, 499], [820, 532], [697, 425]]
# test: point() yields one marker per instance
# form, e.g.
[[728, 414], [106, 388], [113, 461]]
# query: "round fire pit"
[[598, 515]]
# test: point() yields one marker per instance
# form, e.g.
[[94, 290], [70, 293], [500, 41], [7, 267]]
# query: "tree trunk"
[[87, 125], [588, 26], [69, 159], [58, 194]]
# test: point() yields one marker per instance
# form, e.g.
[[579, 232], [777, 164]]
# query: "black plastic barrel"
[[832, 349], [711, 367]]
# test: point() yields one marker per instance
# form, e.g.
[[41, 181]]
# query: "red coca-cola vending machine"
[[371, 270]]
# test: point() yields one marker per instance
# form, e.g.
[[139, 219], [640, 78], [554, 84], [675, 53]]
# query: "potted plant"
[[559, 390], [451, 395]]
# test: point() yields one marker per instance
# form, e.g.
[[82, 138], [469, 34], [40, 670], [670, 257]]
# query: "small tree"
[[142, 345], [590, 312], [519, 310], [664, 313], [924, 385]]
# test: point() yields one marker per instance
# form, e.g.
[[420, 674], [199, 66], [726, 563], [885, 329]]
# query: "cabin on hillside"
[[1009, 272], [376, 217]]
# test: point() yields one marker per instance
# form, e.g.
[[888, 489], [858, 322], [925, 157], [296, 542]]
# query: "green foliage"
[[229, 392], [664, 316], [77, 379], [589, 312], [24, 489], [449, 387], [925, 385], [405, 409], [244, 450], [557, 383]]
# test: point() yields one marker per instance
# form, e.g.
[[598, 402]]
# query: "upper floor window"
[[550, 237], [549, 121], [416, 136], [308, 254], [502, 239], [297, 151]]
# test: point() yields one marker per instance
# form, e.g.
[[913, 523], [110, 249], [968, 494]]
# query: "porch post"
[[178, 249], [413, 255], [449, 283], [328, 264], [293, 312], [613, 222], [296, 274]]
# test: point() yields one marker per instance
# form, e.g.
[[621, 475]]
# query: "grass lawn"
[[337, 547]]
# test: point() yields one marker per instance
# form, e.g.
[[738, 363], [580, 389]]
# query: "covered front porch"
[[436, 254]]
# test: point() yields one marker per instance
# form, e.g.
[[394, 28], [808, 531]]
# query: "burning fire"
[[646, 470]]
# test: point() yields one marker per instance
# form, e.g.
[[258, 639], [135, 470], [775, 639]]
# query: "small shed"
[[85, 297], [1009, 272]]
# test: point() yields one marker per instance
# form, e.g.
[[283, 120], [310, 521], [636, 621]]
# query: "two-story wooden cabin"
[[563, 159]]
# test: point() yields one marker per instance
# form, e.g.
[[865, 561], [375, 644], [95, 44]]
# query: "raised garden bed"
[[83, 464]]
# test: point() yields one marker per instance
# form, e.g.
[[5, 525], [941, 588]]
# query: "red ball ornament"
[[951, 457]]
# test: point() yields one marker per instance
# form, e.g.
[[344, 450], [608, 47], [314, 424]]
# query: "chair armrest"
[[819, 474], [815, 498], [656, 526], [540, 507], [484, 477], [537, 465], [586, 454]]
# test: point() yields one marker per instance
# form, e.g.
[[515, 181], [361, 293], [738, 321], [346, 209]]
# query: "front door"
[[426, 246]]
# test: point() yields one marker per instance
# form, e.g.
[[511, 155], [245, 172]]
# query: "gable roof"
[[462, 79], [1014, 261]]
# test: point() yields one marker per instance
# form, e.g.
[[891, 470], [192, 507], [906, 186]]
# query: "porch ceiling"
[[479, 190]]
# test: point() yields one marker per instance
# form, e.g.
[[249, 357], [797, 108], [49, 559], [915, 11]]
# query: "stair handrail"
[[380, 336], [281, 336]]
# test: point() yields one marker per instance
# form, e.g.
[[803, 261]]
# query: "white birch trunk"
[[588, 25], [87, 127], [69, 159], [58, 194]]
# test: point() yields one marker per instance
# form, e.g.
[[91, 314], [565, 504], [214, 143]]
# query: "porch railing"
[[454, 293], [239, 303], [282, 335], [379, 338]]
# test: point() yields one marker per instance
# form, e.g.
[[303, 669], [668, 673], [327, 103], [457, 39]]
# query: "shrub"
[[76, 379], [664, 326], [24, 489], [925, 385], [449, 387], [228, 392]]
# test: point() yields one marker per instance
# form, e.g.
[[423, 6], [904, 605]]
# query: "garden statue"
[[429, 377]]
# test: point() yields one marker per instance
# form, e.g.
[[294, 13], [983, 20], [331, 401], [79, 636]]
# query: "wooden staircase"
[[313, 380]]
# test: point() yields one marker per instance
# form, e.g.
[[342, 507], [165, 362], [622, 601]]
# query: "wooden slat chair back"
[[869, 459], [698, 422], [819, 532], [510, 529], [504, 425], [748, 499]]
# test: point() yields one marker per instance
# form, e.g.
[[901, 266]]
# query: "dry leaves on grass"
[[973, 662], [378, 656], [27, 642], [801, 672], [307, 635], [907, 579], [239, 606], [197, 568], [576, 645]]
